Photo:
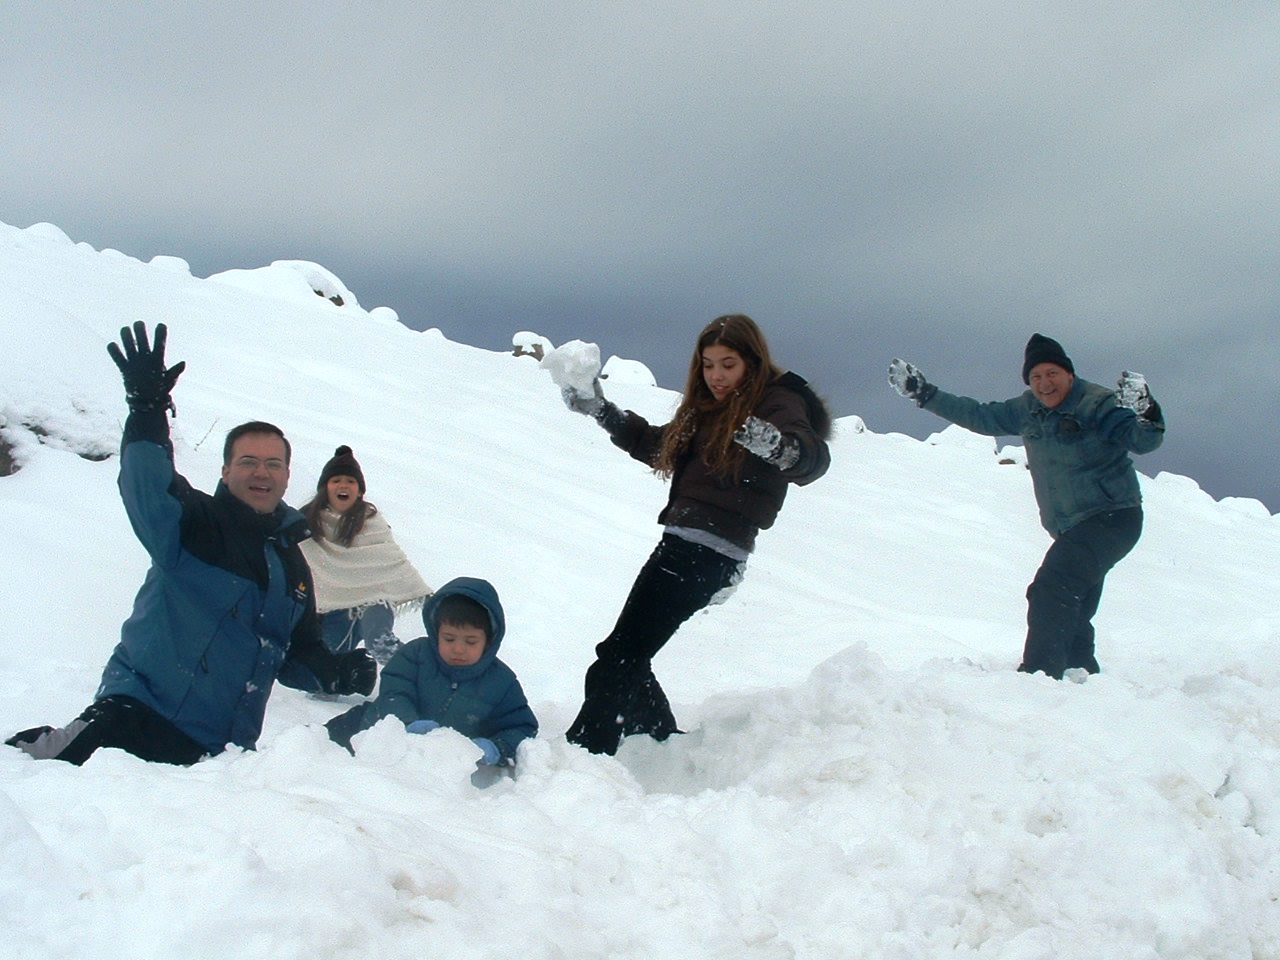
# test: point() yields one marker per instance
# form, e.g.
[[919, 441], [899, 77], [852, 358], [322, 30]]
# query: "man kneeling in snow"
[[227, 601]]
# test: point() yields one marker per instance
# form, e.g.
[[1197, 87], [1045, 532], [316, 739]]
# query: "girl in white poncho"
[[362, 577]]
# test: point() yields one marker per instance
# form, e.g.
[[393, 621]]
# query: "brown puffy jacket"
[[737, 508]]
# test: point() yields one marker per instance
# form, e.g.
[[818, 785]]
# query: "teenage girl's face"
[[723, 369], [343, 492], [460, 646]]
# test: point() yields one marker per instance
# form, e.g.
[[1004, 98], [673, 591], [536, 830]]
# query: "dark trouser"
[[121, 722], [343, 630], [374, 626], [1064, 595], [623, 697]]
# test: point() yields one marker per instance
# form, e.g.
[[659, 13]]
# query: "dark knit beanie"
[[1044, 350], [343, 464]]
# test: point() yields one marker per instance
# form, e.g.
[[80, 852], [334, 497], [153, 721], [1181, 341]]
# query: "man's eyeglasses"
[[273, 465]]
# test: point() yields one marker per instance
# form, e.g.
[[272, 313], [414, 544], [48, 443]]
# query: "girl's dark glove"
[[594, 405], [768, 443], [589, 404]]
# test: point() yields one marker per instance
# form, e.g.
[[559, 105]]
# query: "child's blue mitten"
[[491, 754], [422, 726]]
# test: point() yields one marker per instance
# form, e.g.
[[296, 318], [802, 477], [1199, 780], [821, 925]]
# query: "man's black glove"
[[356, 673], [147, 384]]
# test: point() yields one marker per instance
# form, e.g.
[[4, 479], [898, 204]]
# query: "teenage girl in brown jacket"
[[744, 431]]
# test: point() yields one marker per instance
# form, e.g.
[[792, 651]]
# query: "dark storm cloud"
[[934, 180]]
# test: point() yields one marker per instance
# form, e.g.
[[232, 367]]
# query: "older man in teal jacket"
[[1078, 437]]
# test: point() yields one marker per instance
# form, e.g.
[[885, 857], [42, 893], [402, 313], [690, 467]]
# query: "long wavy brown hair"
[[714, 421]]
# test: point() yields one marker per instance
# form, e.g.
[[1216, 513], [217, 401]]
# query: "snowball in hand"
[[574, 365], [1133, 393]]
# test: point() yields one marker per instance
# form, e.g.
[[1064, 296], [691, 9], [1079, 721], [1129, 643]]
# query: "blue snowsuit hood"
[[483, 699], [483, 593]]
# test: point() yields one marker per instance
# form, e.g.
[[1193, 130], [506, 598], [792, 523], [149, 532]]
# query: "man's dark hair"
[[461, 611], [254, 426]]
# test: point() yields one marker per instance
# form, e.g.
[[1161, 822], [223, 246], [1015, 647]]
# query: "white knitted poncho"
[[372, 570]]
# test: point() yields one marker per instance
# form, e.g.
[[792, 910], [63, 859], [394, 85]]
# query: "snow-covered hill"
[[864, 772]]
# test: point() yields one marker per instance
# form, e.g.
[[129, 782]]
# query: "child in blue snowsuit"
[[452, 678]]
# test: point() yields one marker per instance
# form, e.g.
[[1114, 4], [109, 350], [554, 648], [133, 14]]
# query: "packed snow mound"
[[851, 424], [172, 264], [46, 232], [617, 370], [89, 433], [958, 437], [526, 343], [299, 280]]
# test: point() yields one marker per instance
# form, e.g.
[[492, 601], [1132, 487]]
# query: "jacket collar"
[[284, 520], [1068, 404]]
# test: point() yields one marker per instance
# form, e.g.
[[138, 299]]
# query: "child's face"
[[460, 646], [343, 492]]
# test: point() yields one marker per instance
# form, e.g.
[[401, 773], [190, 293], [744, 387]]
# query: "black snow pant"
[[1064, 595], [622, 696], [116, 721]]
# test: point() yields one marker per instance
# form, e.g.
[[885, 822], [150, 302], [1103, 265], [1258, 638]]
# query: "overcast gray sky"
[[931, 179]]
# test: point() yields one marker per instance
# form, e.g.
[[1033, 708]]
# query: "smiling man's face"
[[259, 471], [1050, 383]]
